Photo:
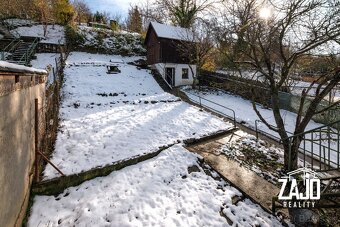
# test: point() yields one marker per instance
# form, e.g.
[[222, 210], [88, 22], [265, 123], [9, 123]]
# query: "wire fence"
[[48, 118]]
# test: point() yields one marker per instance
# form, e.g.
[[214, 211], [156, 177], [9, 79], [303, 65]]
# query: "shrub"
[[73, 38]]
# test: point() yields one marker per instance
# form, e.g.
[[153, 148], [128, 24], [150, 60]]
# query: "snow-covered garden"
[[110, 117]]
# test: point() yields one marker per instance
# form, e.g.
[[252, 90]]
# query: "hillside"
[[106, 41]]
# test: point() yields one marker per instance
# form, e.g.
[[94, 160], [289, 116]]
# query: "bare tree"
[[106, 16], [150, 12], [196, 46], [83, 12], [272, 45], [44, 14], [17, 8]]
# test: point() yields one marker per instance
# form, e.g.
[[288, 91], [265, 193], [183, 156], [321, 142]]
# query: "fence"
[[291, 103], [257, 91], [46, 128], [319, 148], [206, 103], [12, 84]]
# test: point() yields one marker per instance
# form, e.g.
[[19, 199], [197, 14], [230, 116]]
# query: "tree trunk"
[[294, 153], [45, 29], [287, 150], [289, 153]]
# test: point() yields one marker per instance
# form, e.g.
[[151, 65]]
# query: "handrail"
[[312, 130], [323, 157], [14, 46], [217, 104], [9, 48], [10, 44], [257, 130]]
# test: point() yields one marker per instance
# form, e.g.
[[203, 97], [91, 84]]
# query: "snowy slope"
[[113, 42], [157, 192], [244, 110], [16, 22], [55, 33], [110, 117], [44, 60]]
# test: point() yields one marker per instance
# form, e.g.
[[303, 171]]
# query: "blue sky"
[[112, 6]]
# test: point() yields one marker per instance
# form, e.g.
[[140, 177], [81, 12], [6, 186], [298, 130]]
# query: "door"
[[170, 76]]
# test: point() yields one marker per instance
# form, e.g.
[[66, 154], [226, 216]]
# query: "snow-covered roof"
[[172, 32], [10, 67]]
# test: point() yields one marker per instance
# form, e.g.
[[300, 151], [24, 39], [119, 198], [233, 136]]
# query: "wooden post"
[[36, 139], [56, 64], [54, 77]]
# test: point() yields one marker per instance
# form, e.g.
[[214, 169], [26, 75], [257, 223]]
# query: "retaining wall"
[[17, 155]]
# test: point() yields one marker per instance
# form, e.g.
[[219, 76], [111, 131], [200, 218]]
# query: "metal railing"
[[199, 102], [169, 80], [321, 146], [318, 146], [258, 131], [10, 48]]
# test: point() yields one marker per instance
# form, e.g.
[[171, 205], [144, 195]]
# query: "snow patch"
[[55, 33], [157, 192]]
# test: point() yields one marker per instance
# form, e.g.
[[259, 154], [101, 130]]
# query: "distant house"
[[98, 25], [162, 42]]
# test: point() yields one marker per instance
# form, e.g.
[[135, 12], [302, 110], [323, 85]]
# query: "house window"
[[185, 74]]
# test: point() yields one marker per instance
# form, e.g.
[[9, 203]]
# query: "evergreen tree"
[[134, 22], [184, 13], [98, 17]]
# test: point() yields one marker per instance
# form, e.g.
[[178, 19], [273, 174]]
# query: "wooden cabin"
[[163, 44]]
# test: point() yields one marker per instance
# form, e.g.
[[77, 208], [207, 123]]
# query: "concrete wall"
[[17, 151], [178, 72]]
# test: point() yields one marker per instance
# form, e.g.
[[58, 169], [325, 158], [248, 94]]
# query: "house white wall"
[[179, 81]]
